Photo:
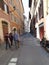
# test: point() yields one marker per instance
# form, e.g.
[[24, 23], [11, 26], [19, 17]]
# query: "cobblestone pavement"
[[29, 53]]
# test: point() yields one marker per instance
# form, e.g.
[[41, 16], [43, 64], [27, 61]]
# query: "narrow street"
[[30, 20], [29, 53]]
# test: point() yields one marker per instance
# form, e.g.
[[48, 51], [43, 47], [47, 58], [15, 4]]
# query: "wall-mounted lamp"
[[13, 9]]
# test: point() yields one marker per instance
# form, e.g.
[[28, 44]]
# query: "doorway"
[[5, 27], [41, 29]]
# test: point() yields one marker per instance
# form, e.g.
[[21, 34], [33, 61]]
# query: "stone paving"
[[29, 53]]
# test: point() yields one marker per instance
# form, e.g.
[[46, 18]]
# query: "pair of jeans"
[[17, 43], [8, 45]]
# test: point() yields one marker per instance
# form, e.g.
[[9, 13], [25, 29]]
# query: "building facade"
[[40, 15], [32, 18], [11, 16]]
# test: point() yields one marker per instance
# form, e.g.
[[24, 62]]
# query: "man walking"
[[7, 41], [16, 39], [11, 38]]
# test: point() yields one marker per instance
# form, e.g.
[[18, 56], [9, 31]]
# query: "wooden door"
[[41, 32], [5, 28]]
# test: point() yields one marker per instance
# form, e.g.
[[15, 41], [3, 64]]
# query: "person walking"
[[16, 39], [7, 41], [11, 38]]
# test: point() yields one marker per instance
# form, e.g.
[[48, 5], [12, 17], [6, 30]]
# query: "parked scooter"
[[45, 43]]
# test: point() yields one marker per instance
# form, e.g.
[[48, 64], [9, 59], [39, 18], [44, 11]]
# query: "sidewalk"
[[7, 55]]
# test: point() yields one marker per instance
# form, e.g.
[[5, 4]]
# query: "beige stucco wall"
[[45, 3], [1, 31]]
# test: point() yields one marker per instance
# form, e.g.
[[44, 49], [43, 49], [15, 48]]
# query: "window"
[[2, 4], [41, 14], [12, 2], [12, 17], [17, 0], [30, 3], [17, 10], [6, 8], [15, 19]]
